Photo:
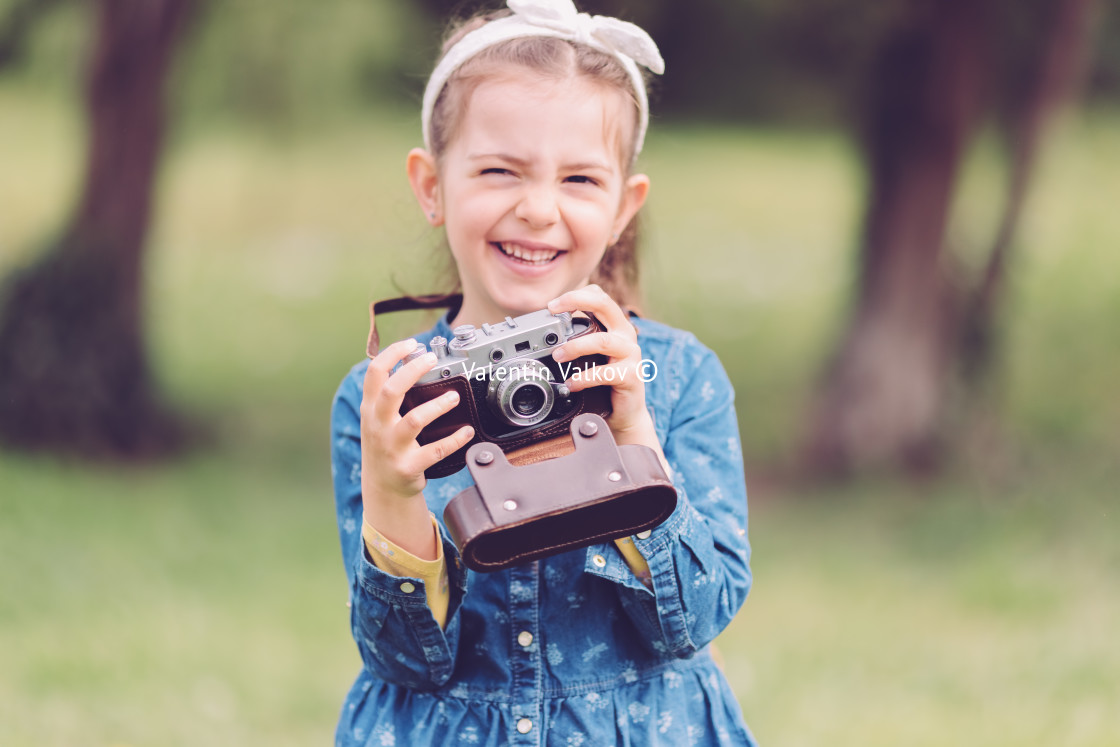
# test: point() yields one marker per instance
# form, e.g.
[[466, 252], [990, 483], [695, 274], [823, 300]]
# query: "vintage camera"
[[510, 389]]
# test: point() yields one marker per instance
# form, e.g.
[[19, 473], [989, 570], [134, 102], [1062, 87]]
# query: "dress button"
[[643, 535], [525, 638], [408, 587], [524, 726], [599, 561]]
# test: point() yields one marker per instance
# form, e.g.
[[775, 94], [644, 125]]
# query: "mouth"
[[520, 253]]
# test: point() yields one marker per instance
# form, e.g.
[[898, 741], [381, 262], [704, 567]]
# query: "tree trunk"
[[1056, 73], [74, 375], [880, 402]]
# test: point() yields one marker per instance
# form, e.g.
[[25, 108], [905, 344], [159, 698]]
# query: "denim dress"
[[571, 650]]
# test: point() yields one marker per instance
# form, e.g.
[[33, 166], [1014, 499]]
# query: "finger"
[[593, 299], [419, 417], [575, 300], [437, 451], [381, 364], [400, 381], [614, 345]]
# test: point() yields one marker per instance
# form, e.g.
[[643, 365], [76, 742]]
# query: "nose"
[[538, 206]]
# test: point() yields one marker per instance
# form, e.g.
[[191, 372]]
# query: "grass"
[[202, 602], [198, 604], [922, 616]]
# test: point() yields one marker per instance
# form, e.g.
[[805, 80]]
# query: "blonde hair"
[[617, 272]]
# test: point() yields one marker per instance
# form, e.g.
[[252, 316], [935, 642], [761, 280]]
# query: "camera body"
[[510, 389]]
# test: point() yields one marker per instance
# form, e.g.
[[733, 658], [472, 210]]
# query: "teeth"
[[532, 256]]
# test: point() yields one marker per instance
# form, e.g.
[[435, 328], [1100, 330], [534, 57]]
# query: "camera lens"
[[522, 394], [551, 339], [528, 400]]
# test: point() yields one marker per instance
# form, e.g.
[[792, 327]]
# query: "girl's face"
[[532, 189]]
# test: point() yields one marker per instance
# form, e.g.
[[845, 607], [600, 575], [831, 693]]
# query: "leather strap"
[[548, 448], [406, 303]]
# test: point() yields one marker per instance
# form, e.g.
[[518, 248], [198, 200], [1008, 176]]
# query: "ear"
[[634, 194], [424, 178]]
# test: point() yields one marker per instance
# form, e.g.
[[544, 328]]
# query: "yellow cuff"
[[634, 559], [397, 562]]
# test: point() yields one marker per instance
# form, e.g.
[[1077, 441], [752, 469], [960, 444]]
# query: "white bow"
[[627, 43], [610, 34]]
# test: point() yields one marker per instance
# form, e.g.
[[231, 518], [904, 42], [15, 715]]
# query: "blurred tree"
[[916, 320], [73, 366]]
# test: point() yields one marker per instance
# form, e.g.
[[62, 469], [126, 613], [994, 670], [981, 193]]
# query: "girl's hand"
[[630, 421], [393, 462]]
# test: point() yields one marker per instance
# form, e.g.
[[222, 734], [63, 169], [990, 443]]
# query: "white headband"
[[627, 43]]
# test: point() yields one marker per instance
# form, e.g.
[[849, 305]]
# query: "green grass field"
[[203, 602]]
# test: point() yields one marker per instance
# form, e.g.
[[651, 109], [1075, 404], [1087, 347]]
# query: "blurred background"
[[895, 221]]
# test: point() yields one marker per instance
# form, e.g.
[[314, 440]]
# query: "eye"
[[582, 179], [495, 170]]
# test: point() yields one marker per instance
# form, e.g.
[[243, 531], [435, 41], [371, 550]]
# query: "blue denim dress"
[[571, 650]]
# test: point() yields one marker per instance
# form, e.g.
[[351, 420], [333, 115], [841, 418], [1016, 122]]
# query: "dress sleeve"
[[396, 561], [699, 558], [397, 634]]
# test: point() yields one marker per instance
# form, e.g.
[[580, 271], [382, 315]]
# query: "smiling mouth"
[[528, 256]]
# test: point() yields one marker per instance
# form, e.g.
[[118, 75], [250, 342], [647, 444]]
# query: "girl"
[[532, 121]]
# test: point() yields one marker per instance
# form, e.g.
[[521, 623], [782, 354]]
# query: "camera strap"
[[407, 303]]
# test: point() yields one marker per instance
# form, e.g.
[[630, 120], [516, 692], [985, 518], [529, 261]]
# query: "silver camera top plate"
[[483, 352]]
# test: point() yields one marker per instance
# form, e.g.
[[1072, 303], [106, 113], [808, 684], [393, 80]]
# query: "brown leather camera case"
[[599, 491]]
